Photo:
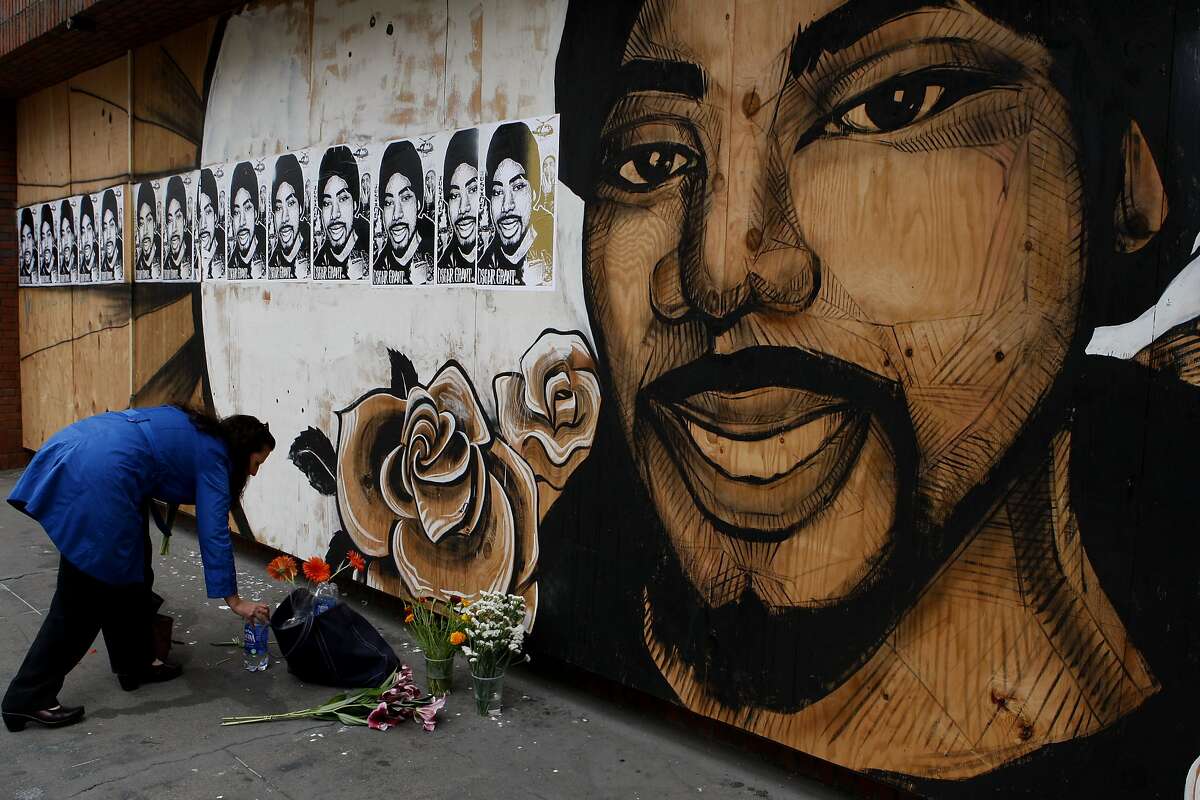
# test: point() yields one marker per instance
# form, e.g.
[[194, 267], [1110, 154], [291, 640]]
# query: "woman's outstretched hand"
[[248, 609]]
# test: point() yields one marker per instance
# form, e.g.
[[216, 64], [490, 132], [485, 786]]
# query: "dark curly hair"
[[242, 435]]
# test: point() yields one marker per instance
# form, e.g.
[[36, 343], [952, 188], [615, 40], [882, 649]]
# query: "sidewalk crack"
[[190, 756]]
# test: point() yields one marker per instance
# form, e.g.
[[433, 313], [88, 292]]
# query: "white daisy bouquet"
[[495, 631]]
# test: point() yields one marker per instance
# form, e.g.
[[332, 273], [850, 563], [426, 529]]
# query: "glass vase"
[[487, 693], [439, 674]]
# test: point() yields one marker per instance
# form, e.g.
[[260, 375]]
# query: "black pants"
[[82, 607]]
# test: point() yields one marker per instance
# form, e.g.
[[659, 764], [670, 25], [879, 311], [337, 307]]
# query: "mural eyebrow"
[[847, 24], [652, 75]]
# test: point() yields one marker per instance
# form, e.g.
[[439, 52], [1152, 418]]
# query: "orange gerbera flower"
[[316, 570], [282, 568], [357, 561], [408, 618], [457, 638]]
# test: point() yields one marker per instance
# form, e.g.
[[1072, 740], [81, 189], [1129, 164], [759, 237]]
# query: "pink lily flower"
[[380, 719], [429, 712]]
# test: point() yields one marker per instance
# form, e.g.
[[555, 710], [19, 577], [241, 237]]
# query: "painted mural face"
[[792, 443], [87, 238], [511, 202], [399, 211], [110, 236], [461, 205], [338, 207], [245, 216], [287, 214], [48, 243], [549, 175], [176, 223], [208, 221], [146, 226], [66, 234], [430, 187], [28, 247]]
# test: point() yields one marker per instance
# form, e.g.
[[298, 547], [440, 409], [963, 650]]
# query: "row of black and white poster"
[[472, 207], [76, 240]]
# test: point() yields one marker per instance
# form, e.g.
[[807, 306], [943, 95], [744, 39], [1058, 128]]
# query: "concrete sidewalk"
[[164, 741]]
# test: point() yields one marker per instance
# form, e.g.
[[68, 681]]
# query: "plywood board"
[[168, 106], [101, 348], [47, 393], [188, 51], [100, 371], [99, 117], [43, 318], [43, 145], [158, 336]]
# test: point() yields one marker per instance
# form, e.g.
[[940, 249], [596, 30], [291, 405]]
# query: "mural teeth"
[[768, 456]]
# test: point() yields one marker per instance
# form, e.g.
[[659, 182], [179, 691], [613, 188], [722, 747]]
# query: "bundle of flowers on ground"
[[494, 630], [394, 701]]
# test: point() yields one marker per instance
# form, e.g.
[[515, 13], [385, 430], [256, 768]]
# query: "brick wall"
[[11, 452]]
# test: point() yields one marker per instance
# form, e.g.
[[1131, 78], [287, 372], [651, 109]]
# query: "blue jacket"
[[89, 484]]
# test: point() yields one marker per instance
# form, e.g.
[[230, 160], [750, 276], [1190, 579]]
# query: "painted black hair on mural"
[[340, 162], [402, 158], [287, 170], [208, 186], [463, 148], [514, 140], [176, 192], [66, 212], [27, 220], [47, 217], [87, 210], [145, 197], [244, 178], [108, 205]]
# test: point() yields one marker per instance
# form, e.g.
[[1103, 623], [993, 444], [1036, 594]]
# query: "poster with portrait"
[[110, 205], [88, 239], [179, 226], [211, 190], [245, 222], [404, 212], [68, 240], [342, 215], [47, 222], [27, 246], [456, 155], [147, 231], [518, 165], [289, 218]]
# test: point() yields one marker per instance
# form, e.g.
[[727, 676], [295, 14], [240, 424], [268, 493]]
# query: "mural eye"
[[905, 101], [647, 167], [893, 107]]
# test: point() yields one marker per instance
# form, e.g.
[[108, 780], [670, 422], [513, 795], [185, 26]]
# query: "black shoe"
[[50, 718], [157, 673]]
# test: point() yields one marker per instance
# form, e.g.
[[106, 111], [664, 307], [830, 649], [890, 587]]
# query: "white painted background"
[[293, 354]]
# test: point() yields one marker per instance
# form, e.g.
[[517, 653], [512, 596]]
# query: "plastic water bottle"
[[254, 646], [325, 598]]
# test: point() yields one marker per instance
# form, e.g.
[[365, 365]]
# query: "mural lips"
[[764, 438]]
